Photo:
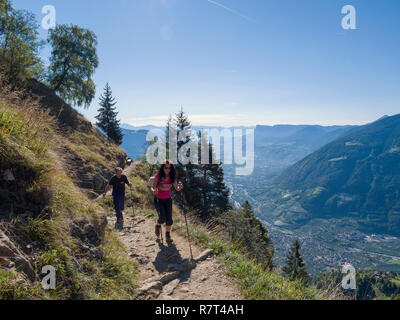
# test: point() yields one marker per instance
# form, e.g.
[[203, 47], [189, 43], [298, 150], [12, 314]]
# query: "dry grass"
[[23, 121], [50, 206]]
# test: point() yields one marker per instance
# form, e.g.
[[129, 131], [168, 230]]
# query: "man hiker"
[[118, 182], [161, 188]]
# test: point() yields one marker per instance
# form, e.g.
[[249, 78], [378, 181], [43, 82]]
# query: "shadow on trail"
[[167, 255]]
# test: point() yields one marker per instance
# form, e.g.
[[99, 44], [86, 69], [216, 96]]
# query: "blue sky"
[[237, 62]]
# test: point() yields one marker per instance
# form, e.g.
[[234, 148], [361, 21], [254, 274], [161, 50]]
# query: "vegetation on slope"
[[88, 155], [45, 219], [355, 176], [258, 281], [370, 285]]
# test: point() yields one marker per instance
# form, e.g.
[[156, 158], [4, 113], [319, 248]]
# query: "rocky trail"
[[166, 271]]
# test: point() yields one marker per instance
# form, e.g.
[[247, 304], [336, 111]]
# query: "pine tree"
[[295, 267], [182, 122], [258, 237], [168, 126], [107, 117], [248, 233], [206, 192], [189, 195], [213, 190]]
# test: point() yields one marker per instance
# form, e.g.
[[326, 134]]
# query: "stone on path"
[[170, 287], [149, 286], [204, 255], [167, 277]]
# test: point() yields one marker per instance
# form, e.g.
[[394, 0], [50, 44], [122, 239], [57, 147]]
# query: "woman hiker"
[[118, 182], [162, 184]]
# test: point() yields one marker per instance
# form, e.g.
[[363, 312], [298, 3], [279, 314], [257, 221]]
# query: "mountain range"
[[334, 188], [356, 175]]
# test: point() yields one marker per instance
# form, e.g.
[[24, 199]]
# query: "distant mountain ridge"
[[136, 128], [275, 146], [356, 175]]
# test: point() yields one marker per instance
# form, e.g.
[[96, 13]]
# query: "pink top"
[[164, 188]]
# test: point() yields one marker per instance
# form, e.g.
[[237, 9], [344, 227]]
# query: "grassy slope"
[[84, 149], [45, 208]]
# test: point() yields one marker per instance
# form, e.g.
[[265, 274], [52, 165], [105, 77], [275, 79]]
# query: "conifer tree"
[[295, 267], [107, 117], [213, 190], [258, 238], [207, 193], [188, 196], [247, 231], [168, 126]]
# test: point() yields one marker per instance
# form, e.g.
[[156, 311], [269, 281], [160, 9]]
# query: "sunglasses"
[[167, 168]]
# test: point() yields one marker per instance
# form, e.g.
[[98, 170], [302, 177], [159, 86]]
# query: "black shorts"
[[165, 211]]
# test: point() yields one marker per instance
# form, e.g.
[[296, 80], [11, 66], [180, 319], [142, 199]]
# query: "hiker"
[[118, 182], [161, 188]]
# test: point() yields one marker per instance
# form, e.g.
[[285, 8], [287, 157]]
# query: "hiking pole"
[[158, 214], [162, 240], [187, 226], [133, 210], [187, 230]]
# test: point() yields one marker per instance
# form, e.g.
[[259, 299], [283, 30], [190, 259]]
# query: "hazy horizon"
[[257, 124]]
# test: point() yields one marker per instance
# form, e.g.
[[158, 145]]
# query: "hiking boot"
[[157, 231], [168, 237], [119, 225]]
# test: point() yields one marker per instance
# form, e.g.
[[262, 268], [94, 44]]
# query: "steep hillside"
[[371, 285], [45, 218], [356, 176], [88, 155], [277, 148]]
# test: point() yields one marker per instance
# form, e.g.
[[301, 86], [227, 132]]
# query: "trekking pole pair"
[[181, 207]]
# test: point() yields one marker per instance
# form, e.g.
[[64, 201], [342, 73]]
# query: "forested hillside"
[[355, 176]]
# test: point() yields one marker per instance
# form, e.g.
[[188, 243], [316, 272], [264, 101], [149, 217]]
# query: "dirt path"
[[165, 270]]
